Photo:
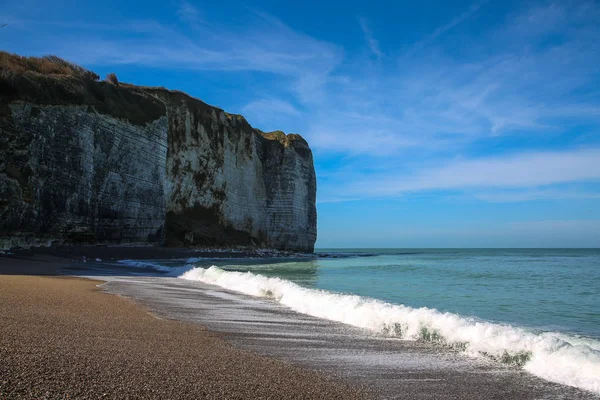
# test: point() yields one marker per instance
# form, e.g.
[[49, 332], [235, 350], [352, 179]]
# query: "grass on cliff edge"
[[46, 65], [54, 81]]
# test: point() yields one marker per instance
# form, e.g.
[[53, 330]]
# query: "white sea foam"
[[552, 356]]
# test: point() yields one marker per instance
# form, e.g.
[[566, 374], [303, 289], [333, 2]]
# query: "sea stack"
[[85, 161]]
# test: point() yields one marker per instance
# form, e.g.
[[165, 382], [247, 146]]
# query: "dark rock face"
[[90, 162]]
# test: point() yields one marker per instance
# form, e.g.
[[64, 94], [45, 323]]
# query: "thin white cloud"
[[270, 106], [259, 46], [335, 200], [342, 137], [508, 85], [270, 113], [370, 39], [534, 169], [447, 27], [514, 196]]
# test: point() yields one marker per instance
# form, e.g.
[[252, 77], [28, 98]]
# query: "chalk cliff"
[[84, 161]]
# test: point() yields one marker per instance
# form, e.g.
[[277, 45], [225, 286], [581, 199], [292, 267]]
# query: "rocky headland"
[[85, 161]]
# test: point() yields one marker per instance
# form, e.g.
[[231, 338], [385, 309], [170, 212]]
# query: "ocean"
[[534, 309]]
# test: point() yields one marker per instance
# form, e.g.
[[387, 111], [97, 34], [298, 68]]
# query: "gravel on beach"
[[62, 337]]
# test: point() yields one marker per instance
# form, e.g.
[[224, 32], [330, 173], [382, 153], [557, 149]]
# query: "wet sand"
[[387, 368], [61, 337]]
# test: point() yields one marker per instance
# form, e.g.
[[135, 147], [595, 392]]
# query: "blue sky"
[[432, 123]]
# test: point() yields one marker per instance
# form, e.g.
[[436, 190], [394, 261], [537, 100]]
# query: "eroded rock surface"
[[87, 162]]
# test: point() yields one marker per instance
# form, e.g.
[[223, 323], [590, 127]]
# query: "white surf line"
[[553, 356]]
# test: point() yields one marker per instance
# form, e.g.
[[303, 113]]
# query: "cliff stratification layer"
[[84, 161]]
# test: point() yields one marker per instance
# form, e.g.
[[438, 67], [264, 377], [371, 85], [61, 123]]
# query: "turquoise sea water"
[[545, 289], [536, 309]]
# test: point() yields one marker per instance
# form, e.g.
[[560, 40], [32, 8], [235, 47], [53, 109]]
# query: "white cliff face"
[[291, 202], [81, 176], [188, 175], [245, 188]]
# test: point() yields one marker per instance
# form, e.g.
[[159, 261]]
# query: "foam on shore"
[[557, 357]]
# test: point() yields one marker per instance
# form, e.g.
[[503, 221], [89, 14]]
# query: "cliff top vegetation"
[[53, 80], [45, 65]]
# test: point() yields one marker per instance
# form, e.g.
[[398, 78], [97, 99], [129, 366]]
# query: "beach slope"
[[61, 337]]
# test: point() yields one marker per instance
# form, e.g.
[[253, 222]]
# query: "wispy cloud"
[[270, 111], [523, 170], [336, 200], [545, 84], [264, 44], [428, 100], [515, 196], [447, 26], [370, 39], [270, 106]]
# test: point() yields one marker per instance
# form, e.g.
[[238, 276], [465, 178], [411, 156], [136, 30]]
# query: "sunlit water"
[[536, 309], [556, 290]]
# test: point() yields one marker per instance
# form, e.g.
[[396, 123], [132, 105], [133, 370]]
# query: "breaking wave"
[[557, 357]]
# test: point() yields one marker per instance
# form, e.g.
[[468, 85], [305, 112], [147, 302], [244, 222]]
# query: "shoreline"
[[381, 368], [113, 253], [65, 337], [388, 368]]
